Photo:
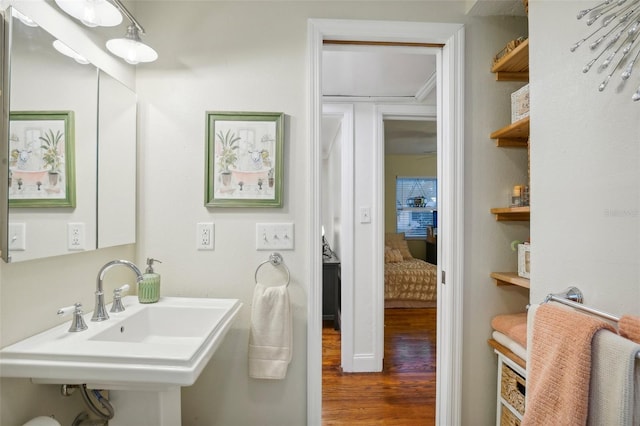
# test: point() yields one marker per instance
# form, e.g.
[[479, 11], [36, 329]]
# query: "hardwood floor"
[[404, 393]]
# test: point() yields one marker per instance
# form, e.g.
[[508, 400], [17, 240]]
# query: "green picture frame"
[[244, 159], [42, 159]]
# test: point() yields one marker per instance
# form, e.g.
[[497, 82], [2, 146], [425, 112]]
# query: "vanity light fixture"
[[130, 47], [614, 39], [67, 51], [92, 13]]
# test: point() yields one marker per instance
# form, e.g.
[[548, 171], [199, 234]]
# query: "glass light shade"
[[23, 18], [67, 51], [131, 48], [132, 51], [92, 13]]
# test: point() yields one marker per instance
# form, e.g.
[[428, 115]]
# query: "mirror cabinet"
[[69, 149]]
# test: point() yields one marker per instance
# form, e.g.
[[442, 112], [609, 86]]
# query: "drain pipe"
[[68, 390]]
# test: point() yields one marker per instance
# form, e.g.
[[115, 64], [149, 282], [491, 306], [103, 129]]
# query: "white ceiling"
[[378, 71], [383, 73], [393, 74]]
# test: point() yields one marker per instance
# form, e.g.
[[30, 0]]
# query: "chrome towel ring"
[[276, 260]]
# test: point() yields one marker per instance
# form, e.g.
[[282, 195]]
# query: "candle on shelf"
[[516, 198]]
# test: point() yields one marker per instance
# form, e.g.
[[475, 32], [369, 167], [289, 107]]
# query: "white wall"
[[251, 56], [489, 173], [585, 169], [332, 191]]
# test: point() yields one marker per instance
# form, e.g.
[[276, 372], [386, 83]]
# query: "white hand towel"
[[270, 336], [611, 398]]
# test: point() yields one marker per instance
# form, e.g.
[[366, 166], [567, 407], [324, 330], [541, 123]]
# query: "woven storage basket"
[[508, 48], [512, 388], [507, 418]]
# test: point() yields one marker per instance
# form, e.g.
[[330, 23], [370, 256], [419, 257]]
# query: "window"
[[416, 205]]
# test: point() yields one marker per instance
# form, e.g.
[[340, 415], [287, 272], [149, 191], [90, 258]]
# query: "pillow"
[[392, 255], [397, 241]]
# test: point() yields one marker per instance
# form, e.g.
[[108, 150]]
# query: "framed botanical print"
[[42, 159], [244, 154]]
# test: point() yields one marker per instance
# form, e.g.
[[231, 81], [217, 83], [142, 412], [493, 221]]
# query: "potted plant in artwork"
[[228, 154], [51, 154]]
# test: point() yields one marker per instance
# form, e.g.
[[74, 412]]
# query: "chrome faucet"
[[100, 312]]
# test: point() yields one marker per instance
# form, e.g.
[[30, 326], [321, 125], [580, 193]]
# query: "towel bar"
[[276, 260], [573, 297]]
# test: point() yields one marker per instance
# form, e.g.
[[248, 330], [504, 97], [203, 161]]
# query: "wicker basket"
[[507, 418], [508, 48], [512, 388]]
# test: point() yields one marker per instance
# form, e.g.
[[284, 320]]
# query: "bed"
[[408, 282]]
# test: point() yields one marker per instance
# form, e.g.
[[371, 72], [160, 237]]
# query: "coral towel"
[[559, 367], [629, 327], [270, 336], [513, 326]]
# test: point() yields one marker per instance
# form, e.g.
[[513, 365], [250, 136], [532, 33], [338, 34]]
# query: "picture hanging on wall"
[[41, 159], [244, 152]]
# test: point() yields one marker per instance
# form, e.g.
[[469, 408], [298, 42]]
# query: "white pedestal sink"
[[142, 355]]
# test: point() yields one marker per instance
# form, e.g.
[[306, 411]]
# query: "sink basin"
[[162, 344]]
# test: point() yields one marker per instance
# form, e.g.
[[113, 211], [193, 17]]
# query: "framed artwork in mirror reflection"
[[244, 152], [41, 159]]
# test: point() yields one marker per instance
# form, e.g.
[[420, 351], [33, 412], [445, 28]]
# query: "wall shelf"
[[514, 135], [511, 214], [510, 278], [514, 66]]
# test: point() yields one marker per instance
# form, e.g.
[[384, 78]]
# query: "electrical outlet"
[[17, 236], [204, 236], [75, 236]]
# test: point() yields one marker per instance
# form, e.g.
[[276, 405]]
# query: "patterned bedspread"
[[412, 279]]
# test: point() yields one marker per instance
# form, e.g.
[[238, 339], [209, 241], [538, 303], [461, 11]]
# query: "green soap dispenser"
[[149, 287]]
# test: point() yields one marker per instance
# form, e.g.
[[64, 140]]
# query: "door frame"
[[450, 87]]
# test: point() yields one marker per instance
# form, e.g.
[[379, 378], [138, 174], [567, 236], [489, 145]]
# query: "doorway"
[[450, 89]]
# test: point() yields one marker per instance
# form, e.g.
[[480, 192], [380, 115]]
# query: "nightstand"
[[331, 291]]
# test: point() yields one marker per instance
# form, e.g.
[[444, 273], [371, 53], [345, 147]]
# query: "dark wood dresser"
[[331, 291]]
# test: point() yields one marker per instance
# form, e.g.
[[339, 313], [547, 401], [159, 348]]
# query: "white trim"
[[427, 87], [450, 94], [347, 210], [451, 142], [314, 298]]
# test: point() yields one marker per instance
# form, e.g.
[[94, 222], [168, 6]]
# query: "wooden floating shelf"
[[508, 353], [510, 278], [506, 214], [514, 66], [514, 135]]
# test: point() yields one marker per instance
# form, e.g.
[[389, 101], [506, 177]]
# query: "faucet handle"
[[117, 305], [77, 323]]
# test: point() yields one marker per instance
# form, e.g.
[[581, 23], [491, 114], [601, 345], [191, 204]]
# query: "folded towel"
[[559, 367], [513, 326], [629, 327], [510, 344], [611, 396], [270, 336]]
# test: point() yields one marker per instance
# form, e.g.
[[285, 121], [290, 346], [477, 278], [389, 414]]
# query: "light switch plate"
[[17, 236], [365, 214], [274, 236]]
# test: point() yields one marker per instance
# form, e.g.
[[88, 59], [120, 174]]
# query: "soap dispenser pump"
[[149, 287]]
